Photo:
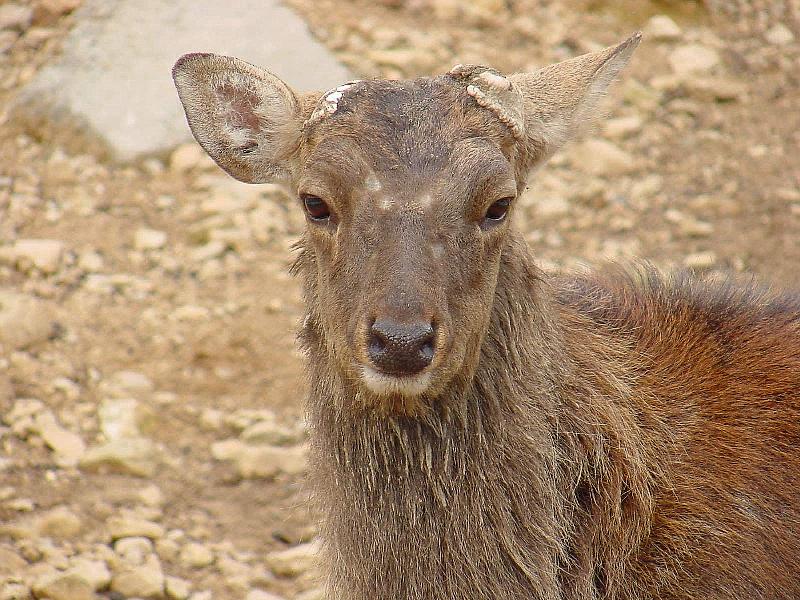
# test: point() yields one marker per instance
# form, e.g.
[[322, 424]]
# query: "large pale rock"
[[691, 59], [111, 89]]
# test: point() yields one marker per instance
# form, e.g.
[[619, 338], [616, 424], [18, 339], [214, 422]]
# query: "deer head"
[[408, 188]]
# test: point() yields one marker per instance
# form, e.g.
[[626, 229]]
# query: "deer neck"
[[472, 482]]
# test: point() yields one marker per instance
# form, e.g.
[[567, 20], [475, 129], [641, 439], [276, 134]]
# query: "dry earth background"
[[151, 397]]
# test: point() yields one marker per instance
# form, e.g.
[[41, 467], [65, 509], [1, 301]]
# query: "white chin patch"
[[389, 385]]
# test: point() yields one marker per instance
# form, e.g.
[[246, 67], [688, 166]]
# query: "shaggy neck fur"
[[499, 491]]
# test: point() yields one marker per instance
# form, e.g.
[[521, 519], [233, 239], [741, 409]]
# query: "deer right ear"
[[246, 118]]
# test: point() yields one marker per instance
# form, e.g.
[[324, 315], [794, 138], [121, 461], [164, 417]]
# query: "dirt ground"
[[151, 397]]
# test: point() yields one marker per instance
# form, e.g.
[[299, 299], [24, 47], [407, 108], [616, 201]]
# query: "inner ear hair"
[[247, 119]]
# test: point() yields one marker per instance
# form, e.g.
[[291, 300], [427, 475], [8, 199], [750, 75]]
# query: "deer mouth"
[[383, 384]]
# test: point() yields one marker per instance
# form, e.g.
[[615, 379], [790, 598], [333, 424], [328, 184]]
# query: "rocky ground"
[[151, 397]]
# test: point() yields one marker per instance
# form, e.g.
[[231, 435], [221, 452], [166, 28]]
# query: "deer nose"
[[401, 348]]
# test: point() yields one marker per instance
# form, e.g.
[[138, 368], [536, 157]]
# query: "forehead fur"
[[414, 122]]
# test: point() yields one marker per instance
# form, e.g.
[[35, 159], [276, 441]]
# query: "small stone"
[[24, 320], [190, 312], [715, 88], [662, 28], [602, 158], [187, 157], [128, 384], [149, 239], [67, 446], [145, 581], [259, 461], [151, 496], [94, 572], [91, 262], [196, 556], [551, 206], [15, 16], [293, 561], [47, 11], [270, 433], [177, 588], [133, 550], [44, 255], [779, 35], [12, 590], [693, 59], [261, 595], [11, 563], [59, 523], [700, 260], [312, 594], [118, 418], [129, 526], [63, 586], [622, 127], [213, 249], [688, 225], [130, 456]]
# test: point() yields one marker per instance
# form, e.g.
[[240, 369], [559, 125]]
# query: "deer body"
[[481, 431]]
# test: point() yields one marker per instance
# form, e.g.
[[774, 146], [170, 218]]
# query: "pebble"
[[689, 225], [662, 28], [551, 206], [293, 561], [623, 127], [312, 594], [44, 255], [11, 563], [149, 239], [68, 447], [271, 433], [133, 551], [779, 35], [196, 556], [59, 523], [151, 496], [130, 456], [66, 585], [177, 588], [261, 595], [187, 157], [24, 320], [15, 16], [144, 581], [119, 418], [260, 461], [691, 59], [602, 158], [700, 260], [211, 250], [93, 571], [127, 384], [127, 526], [49, 10]]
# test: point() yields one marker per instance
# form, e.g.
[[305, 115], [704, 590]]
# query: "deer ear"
[[246, 118], [562, 98]]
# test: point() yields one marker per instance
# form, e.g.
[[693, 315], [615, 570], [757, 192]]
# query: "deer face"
[[407, 187]]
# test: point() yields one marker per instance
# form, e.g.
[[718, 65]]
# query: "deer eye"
[[316, 208], [498, 211]]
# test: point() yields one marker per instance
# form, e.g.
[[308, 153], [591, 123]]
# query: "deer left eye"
[[498, 210]]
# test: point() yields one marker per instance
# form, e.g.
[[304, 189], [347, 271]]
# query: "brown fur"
[[623, 435]]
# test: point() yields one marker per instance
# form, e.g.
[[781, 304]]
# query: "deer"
[[481, 429]]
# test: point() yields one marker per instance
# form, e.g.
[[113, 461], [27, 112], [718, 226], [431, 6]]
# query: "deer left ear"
[[247, 119], [562, 98]]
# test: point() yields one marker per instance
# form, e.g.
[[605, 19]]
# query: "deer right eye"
[[316, 208]]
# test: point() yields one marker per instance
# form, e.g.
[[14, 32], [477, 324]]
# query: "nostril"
[[401, 348]]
